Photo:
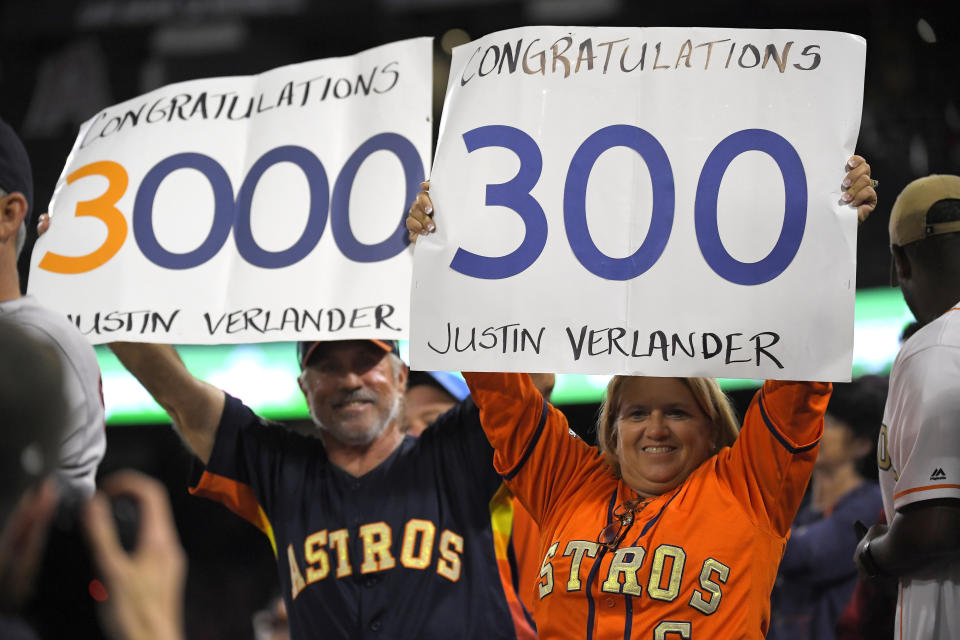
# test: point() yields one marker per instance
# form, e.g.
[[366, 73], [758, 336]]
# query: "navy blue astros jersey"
[[405, 551]]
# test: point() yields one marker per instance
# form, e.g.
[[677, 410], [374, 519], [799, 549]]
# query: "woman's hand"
[[420, 217], [859, 189]]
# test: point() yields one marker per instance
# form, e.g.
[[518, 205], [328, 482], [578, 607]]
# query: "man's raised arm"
[[193, 405]]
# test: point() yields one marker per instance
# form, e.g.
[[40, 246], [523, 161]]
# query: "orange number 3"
[[103, 208]]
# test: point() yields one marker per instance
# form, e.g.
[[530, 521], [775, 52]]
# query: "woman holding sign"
[[676, 527]]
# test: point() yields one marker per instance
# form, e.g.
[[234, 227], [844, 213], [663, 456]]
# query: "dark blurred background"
[[62, 61]]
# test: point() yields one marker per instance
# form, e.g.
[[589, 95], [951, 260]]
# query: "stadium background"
[[62, 60]]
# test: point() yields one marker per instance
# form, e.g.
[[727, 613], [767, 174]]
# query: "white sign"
[[658, 201], [245, 209]]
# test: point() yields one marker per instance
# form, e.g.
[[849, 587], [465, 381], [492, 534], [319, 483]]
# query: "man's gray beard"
[[354, 439]]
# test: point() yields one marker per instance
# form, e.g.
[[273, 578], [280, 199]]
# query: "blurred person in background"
[[817, 576], [83, 440], [32, 416], [145, 586], [429, 395], [271, 623], [871, 611]]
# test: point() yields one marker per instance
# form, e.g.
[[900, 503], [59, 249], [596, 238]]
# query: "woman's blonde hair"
[[710, 398]]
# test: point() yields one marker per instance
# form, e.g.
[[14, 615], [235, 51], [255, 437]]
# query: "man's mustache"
[[357, 395]]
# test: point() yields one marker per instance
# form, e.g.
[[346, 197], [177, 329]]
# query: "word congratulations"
[[566, 56], [232, 105]]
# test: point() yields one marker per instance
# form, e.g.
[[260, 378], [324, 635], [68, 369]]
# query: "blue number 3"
[[515, 195]]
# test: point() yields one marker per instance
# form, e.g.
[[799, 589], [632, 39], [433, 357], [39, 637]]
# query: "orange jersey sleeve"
[[526, 546], [769, 475], [534, 452]]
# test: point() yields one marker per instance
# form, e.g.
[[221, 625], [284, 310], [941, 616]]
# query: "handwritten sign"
[[644, 201], [245, 209]]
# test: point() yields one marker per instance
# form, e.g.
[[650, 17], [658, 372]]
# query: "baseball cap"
[[307, 349], [15, 173], [449, 382], [908, 218]]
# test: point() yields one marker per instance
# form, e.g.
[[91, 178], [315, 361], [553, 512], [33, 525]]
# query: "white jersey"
[[919, 459], [84, 441]]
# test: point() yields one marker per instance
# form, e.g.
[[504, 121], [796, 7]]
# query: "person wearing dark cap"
[[918, 453], [32, 413], [377, 534], [84, 440], [146, 585], [430, 394]]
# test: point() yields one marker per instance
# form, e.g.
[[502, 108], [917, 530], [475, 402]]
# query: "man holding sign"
[[376, 534]]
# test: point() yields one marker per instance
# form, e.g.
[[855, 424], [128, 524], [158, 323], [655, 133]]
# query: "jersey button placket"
[[376, 625]]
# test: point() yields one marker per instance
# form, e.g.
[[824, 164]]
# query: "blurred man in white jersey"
[[919, 446]]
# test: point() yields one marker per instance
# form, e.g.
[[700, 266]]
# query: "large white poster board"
[[245, 209], [662, 201]]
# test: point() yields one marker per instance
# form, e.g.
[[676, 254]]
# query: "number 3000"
[[230, 213]]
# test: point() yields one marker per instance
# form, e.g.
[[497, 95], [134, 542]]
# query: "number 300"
[[515, 195]]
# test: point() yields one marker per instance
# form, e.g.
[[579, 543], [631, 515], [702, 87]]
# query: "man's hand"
[[420, 217], [858, 190], [145, 586], [864, 567]]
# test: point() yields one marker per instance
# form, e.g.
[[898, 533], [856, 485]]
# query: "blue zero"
[[794, 215], [575, 205], [236, 214]]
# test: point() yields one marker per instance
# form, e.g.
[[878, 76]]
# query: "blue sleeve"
[[465, 448], [822, 551], [253, 464]]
